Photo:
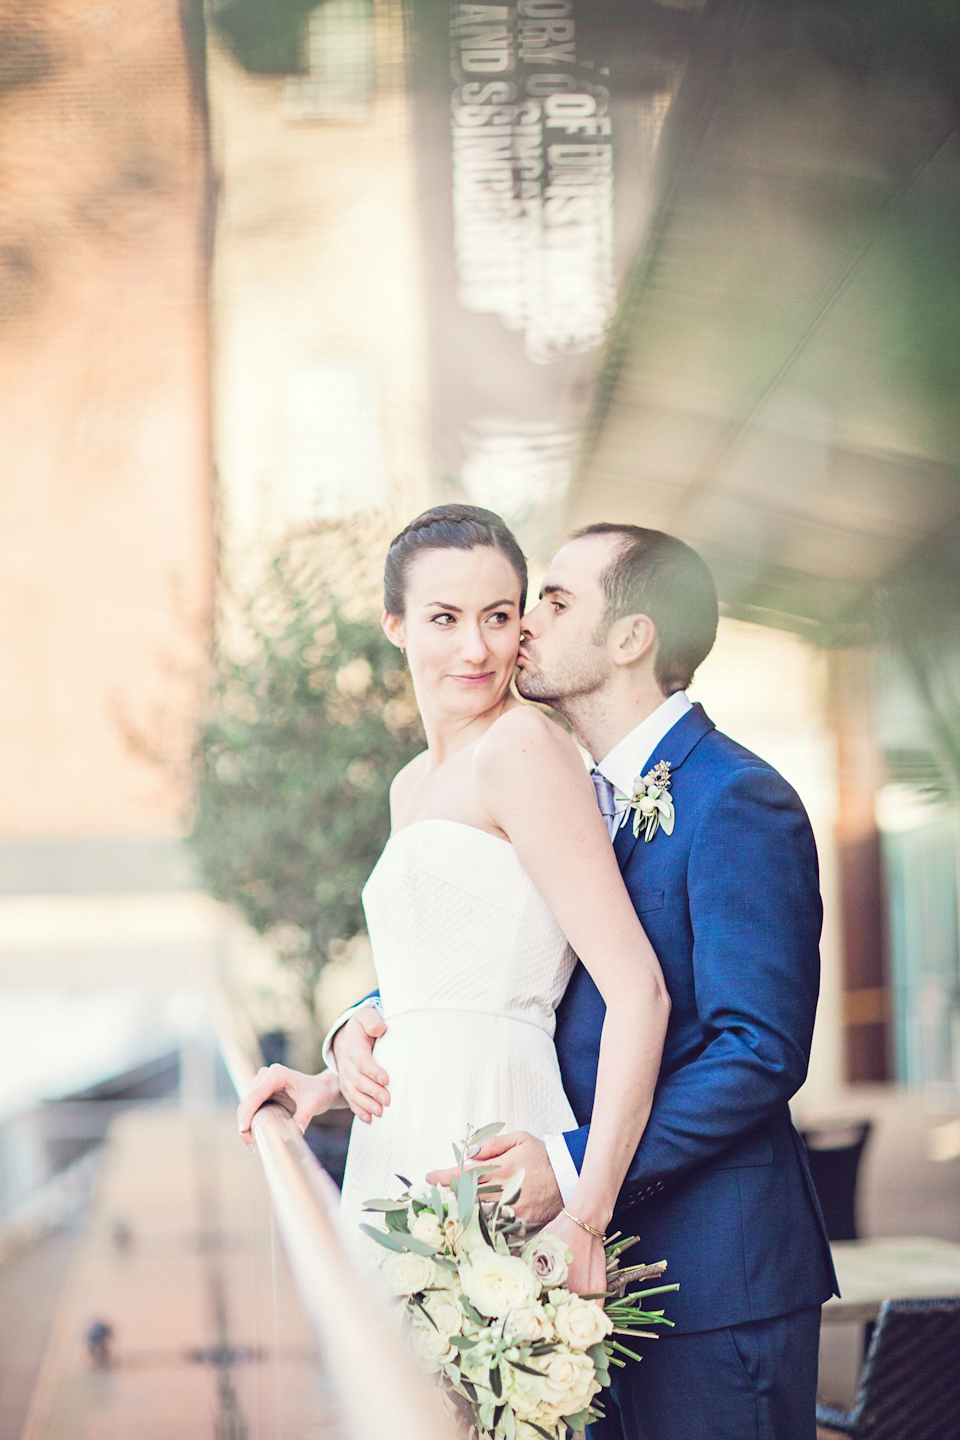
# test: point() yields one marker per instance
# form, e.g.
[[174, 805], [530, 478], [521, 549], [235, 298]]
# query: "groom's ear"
[[631, 638], [393, 628]]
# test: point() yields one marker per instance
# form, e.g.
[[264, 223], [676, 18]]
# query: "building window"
[[341, 59]]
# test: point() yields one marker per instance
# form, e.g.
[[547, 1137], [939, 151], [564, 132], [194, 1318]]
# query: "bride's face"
[[460, 628]]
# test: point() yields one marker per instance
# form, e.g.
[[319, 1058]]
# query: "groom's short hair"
[[655, 574]]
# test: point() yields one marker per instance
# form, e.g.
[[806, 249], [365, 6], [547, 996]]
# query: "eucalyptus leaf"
[[382, 1238], [403, 1241], [579, 1421], [487, 1132], [385, 1205]]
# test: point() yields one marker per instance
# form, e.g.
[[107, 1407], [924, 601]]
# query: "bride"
[[498, 873]]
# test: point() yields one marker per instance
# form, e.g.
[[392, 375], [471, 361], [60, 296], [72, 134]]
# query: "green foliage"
[[306, 728]]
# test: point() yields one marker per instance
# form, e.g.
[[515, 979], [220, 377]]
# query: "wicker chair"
[[910, 1383]]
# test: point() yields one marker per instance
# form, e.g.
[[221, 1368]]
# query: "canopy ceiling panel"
[[781, 383]]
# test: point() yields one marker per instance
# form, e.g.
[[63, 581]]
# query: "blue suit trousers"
[[756, 1381]]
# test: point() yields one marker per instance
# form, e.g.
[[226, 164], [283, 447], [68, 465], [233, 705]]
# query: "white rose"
[[581, 1323], [431, 1348], [548, 1258], [406, 1273], [426, 1227], [527, 1323], [525, 1431], [444, 1310], [496, 1283], [647, 805], [461, 1240], [446, 1279], [570, 1380], [528, 1395]]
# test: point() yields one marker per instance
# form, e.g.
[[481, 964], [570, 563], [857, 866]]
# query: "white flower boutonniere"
[[652, 803]]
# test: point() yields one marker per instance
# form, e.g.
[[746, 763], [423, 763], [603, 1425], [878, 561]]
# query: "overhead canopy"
[[781, 383]]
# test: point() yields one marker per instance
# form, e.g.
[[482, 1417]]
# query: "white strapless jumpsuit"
[[471, 966]]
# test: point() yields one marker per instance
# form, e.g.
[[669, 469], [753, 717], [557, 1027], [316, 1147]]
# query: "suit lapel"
[[674, 748]]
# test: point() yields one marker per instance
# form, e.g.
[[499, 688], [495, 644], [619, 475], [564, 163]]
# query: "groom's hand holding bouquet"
[[538, 1201]]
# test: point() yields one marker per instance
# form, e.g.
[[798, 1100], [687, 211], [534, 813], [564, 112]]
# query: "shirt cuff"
[[566, 1173], [326, 1050]]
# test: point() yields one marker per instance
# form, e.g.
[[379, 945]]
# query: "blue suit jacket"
[[720, 1186]]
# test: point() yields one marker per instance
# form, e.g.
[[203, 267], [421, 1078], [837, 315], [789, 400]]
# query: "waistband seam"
[[463, 1010]]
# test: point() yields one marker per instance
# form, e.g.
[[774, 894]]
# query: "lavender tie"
[[605, 799]]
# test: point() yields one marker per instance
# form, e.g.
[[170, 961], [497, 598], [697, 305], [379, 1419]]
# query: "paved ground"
[[31, 1284], [178, 1258]]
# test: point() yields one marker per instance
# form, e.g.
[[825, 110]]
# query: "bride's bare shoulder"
[[524, 737]]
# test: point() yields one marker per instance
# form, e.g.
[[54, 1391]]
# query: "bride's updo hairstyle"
[[448, 527]]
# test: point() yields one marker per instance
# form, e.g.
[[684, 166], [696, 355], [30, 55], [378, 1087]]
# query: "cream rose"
[[527, 1323], [496, 1283], [444, 1310], [406, 1273], [525, 1431], [581, 1323], [528, 1395], [426, 1227], [461, 1240], [431, 1347], [570, 1380], [548, 1258]]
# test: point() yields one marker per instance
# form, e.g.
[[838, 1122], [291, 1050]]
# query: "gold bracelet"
[[583, 1225]]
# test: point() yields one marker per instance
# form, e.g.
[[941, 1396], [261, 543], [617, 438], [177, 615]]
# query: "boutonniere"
[[652, 803]]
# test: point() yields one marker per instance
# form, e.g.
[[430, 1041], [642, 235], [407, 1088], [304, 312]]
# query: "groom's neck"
[[607, 716]]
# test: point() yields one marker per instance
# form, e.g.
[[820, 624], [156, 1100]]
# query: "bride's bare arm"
[[533, 783]]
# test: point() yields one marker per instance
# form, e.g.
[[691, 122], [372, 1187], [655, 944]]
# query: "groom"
[[719, 1185]]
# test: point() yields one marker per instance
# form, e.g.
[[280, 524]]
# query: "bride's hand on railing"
[[588, 1268], [306, 1095]]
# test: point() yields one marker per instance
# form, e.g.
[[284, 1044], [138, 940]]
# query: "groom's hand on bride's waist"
[[539, 1199], [363, 1083]]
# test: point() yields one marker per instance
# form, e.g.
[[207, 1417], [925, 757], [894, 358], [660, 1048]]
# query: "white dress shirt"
[[621, 766]]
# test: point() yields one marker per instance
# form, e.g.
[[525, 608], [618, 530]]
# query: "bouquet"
[[517, 1354]]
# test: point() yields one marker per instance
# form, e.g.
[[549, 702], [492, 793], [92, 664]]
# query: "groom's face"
[[564, 654]]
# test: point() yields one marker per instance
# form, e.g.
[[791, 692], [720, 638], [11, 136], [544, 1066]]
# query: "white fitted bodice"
[[471, 966]]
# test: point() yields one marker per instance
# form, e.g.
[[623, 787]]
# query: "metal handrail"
[[384, 1395]]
